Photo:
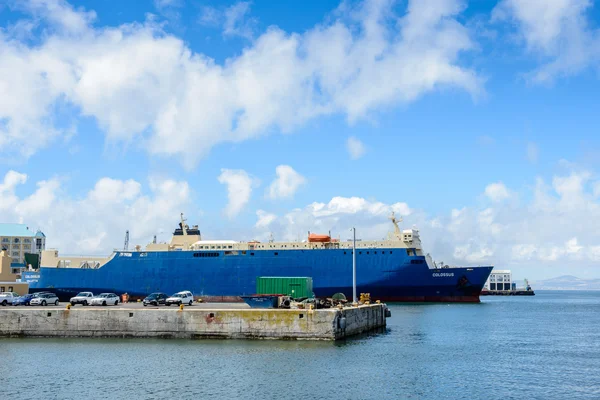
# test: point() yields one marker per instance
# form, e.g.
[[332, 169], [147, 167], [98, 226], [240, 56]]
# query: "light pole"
[[354, 266]]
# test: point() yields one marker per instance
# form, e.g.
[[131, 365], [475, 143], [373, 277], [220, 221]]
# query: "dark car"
[[155, 299], [24, 300]]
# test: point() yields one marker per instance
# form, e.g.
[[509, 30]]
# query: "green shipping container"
[[289, 286]]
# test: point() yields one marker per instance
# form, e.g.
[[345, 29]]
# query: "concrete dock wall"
[[190, 323]]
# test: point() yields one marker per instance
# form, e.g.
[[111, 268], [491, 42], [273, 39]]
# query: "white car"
[[43, 299], [179, 298], [82, 298], [105, 299], [8, 297]]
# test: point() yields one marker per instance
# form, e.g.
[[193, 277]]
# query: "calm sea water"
[[543, 347]]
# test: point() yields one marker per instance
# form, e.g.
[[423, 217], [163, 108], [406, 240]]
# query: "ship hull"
[[387, 274]]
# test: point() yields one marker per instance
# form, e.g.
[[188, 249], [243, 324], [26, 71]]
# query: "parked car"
[[23, 300], [7, 298], [105, 299], [180, 298], [82, 298], [44, 299], [155, 299]]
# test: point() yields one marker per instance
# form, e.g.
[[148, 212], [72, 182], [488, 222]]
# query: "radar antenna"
[[395, 221]]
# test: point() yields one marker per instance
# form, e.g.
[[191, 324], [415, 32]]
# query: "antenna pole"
[[126, 246], [354, 266]]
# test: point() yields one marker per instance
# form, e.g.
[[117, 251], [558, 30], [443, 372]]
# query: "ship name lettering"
[[442, 274]]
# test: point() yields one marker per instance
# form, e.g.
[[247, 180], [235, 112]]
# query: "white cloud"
[[264, 219], [139, 82], [355, 147], [237, 22], [239, 188], [472, 253], [558, 30], [286, 184], [596, 189], [497, 191], [109, 190], [40, 201], [60, 14], [95, 223], [209, 16], [7, 188], [533, 152]]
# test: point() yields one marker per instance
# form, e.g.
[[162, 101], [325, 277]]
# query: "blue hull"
[[387, 274]]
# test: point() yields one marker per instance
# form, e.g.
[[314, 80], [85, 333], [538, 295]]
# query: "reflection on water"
[[546, 347]]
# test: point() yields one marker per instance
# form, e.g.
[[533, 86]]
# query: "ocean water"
[[541, 347]]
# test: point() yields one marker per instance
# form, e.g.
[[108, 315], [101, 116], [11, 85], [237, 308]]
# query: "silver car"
[[43, 299], [82, 298], [105, 299], [8, 297]]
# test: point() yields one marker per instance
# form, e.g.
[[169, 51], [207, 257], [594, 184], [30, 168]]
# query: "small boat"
[[262, 300], [316, 238]]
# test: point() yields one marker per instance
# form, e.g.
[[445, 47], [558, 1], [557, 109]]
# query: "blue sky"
[[476, 119]]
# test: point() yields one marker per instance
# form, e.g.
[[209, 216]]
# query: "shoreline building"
[[9, 280], [499, 279], [17, 240]]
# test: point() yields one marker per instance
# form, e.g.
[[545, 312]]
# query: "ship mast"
[[183, 226], [395, 222]]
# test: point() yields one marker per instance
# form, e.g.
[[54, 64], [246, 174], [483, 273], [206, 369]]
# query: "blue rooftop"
[[15, 230]]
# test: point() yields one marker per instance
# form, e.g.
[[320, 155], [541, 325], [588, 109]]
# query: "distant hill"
[[566, 282]]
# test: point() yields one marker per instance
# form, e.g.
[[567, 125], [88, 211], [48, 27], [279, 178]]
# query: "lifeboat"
[[315, 238]]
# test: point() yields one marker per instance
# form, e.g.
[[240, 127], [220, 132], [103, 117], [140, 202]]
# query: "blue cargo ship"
[[394, 269]]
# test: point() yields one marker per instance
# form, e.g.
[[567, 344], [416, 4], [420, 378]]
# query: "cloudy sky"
[[476, 121]]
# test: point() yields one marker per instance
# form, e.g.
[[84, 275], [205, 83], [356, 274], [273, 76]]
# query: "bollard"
[[68, 306], [181, 306]]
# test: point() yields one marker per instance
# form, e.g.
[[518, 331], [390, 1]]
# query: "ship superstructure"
[[394, 269]]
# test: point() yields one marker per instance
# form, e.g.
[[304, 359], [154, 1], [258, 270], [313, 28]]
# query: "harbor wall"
[[326, 324]]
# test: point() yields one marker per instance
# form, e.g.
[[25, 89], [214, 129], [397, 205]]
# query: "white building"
[[17, 240], [499, 279]]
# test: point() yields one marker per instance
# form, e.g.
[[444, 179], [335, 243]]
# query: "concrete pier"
[[190, 323]]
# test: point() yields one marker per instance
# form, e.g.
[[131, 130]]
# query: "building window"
[[10, 289], [16, 240], [26, 240], [2, 289]]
